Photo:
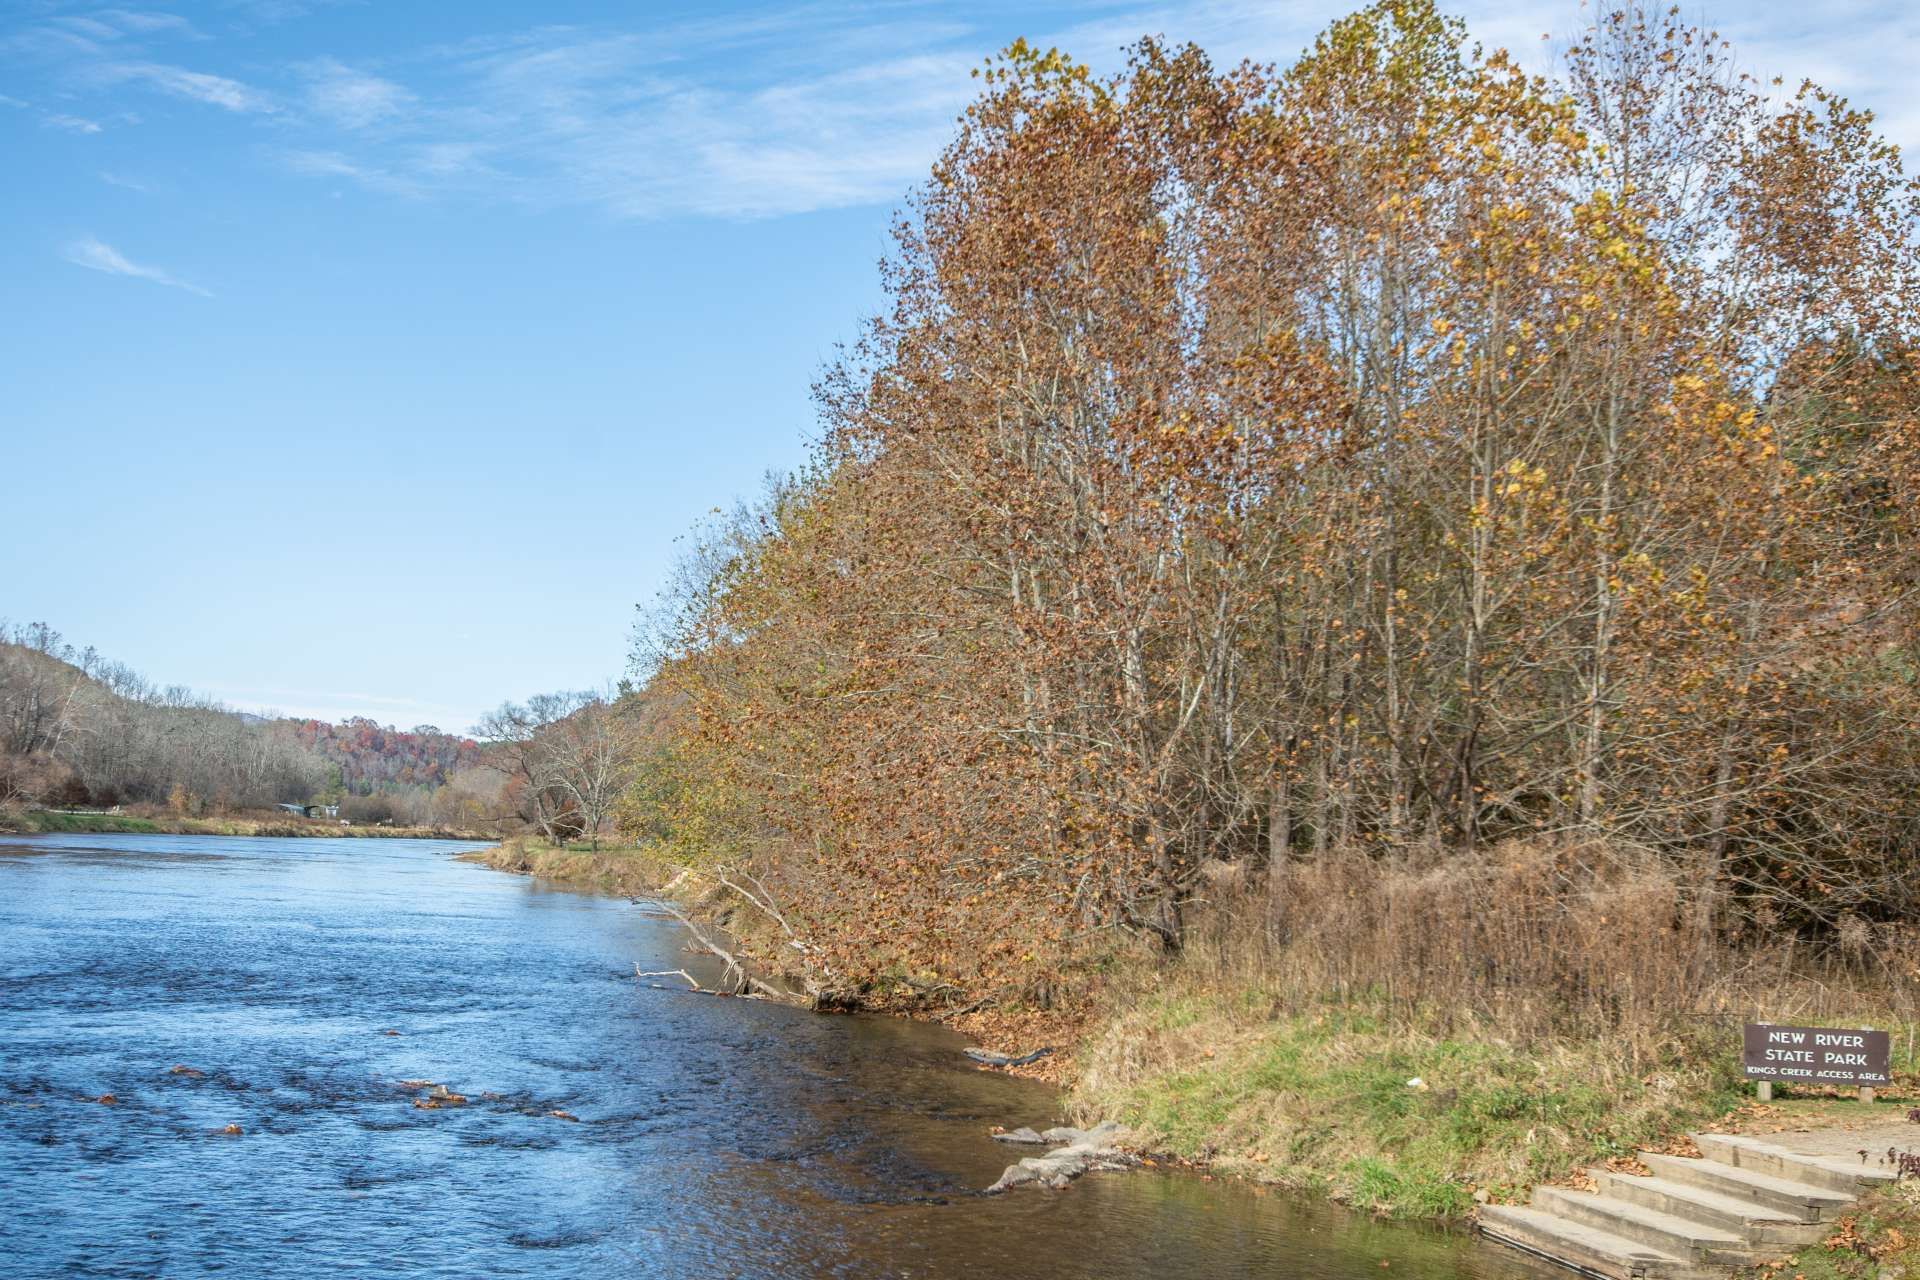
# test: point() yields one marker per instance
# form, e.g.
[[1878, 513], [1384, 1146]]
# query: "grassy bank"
[[1327, 1101], [47, 821], [1410, 1038], [1319, 1043], [629, 871]]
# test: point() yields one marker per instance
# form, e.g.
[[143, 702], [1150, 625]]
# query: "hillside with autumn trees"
[[79, 729], [1397, 530], [368, 755]]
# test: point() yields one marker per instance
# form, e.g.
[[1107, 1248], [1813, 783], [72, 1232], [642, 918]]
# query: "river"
[[713, 1137]]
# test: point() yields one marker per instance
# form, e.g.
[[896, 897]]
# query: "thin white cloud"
[[96, 255], [791, 109], [72, 124], [91, 28], [641, 126], [146, 22], [794, 110], [119, 180], [197, 86], [449, 159], [352, 99], [95, 32], [332, 164]]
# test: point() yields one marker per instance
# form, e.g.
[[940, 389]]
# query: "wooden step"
[[1752, 1221], [1802, 1201], [1776, 1161], [1669, 1233], [1584, 1248]]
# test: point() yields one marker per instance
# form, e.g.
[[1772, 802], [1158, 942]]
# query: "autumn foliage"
[[1392, 455]]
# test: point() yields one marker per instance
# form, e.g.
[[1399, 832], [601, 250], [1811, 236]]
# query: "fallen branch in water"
[[638, 972], [745, 983], [988, 1057]]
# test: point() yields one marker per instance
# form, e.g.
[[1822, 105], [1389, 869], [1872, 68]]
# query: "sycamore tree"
[[1397, 452]]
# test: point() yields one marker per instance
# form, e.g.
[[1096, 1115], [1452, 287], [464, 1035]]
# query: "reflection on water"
[[714, 1137]]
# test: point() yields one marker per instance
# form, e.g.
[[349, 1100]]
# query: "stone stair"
[[1742, 1201]]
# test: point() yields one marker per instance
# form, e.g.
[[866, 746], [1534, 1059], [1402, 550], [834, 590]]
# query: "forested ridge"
[[369, 755], [78, 729], [1272, 486]]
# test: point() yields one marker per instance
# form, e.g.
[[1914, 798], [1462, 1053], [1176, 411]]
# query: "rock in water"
[[1024, 1136], [441, 1096]]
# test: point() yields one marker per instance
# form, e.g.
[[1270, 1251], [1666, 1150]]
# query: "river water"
[[713, 1137]]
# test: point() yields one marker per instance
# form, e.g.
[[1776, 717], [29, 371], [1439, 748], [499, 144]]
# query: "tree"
[[1398, 453], [567, 757]]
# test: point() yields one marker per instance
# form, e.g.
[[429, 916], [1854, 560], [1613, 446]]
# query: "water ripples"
[[313, 993]]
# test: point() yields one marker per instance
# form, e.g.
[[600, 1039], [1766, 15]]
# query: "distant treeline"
[[77, 729], [369, 756]]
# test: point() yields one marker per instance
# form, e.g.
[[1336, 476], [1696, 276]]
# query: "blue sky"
[[368, 358]]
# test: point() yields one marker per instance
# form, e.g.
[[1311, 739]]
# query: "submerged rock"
[[440, 1096], [1084, 1150], [1022, 1135], [193, 1073]]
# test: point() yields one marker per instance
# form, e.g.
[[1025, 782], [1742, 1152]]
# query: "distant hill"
[[77, 729], [370, 755]]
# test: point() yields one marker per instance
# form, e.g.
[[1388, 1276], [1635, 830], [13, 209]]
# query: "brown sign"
[[1824, 1055]]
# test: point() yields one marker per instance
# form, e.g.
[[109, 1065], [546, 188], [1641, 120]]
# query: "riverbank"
[[1402, 1112], [50, 821], [1393, 1119], [635, 872], [625, 871]]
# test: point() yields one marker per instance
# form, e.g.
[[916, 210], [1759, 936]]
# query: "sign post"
[[1815, 1055]]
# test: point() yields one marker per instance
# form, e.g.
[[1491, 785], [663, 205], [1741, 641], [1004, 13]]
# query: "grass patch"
[[629, 871], [1324, 1099], [51, 822], [45, 822]]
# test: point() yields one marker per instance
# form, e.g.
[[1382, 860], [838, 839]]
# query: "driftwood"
[[693, 984], [1082, 1151], [745, 983], [992, 1059], [638, 972]]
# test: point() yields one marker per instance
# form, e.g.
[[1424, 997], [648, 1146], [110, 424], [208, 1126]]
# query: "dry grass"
[[626, 871], [154, 820], [1557, 1005]]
